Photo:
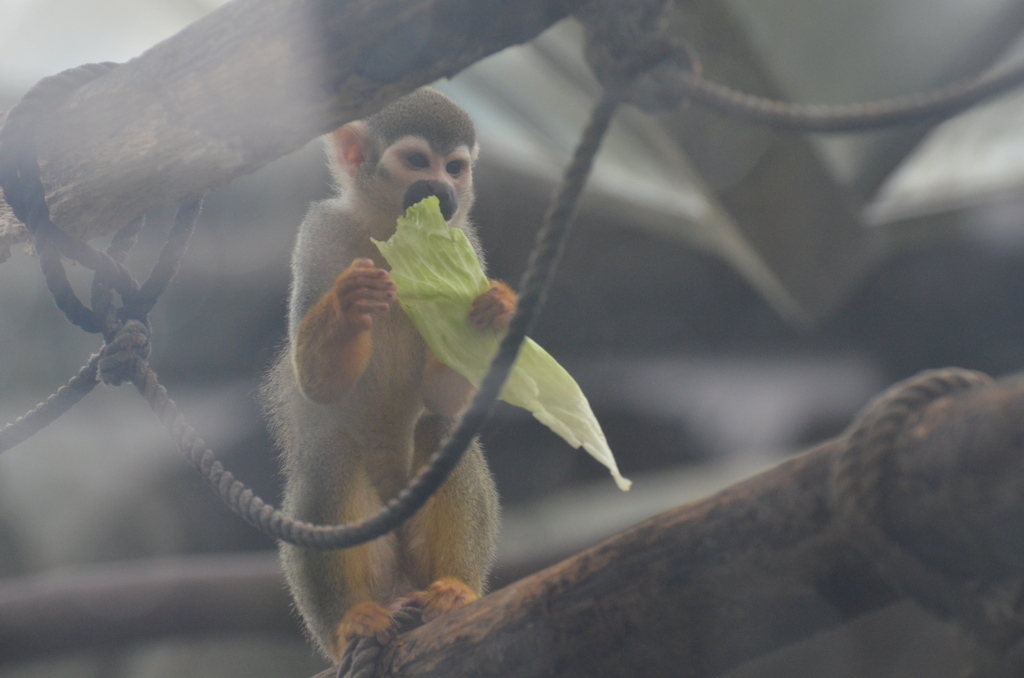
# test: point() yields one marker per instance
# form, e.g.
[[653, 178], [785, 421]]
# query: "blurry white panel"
[[837, 51], [961, 163], [43, 37]]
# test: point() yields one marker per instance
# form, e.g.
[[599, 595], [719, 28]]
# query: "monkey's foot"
[[444, 595], [365, 620]]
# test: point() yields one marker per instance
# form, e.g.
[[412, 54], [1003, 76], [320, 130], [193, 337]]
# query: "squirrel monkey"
[[358, 402]]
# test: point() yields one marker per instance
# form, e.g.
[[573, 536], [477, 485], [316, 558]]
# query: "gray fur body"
[[350, 457]]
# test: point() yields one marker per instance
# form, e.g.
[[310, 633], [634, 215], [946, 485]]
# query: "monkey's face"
[[412, 169]]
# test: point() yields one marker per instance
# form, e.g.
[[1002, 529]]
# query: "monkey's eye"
[[455, 167], [418, 160]]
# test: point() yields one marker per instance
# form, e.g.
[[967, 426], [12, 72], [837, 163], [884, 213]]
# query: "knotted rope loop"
[[121, 355], [138, 305], [125, 330], [625, 40], [20, 175], [24, 192], [631, 52], [989, 615]]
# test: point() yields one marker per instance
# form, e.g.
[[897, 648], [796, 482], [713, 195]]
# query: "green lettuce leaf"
[[437, 273]]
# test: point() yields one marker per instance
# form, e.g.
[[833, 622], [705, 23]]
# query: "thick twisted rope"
[[940, 102], [990, 619], [43, 414]]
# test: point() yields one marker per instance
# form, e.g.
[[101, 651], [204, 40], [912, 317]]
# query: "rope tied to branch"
[[988, 616], [120, 356]]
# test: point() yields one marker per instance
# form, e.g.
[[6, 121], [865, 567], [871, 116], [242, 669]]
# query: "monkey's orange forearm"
[[330, 354]]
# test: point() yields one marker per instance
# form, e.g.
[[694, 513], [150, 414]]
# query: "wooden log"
[[248, 83], [701, 589]]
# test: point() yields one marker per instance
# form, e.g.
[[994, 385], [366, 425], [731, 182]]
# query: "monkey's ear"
[[351, 146]]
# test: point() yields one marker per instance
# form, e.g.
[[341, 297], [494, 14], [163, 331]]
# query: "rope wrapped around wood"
[[988, 615]]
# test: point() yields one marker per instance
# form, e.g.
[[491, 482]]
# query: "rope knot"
[[120, 356], [633, 52], [624, 41]]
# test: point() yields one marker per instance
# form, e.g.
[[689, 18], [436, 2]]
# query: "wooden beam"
[[699, 590], [249, 83]]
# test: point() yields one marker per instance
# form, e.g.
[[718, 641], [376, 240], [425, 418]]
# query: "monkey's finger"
[[502, 320], [498, 322], [487, 312], [370, 274], [481, 302], [362, 262], [363, 307], [368, 620], [485, 304], [498, 294], [368, 294], [347, 295], [353, 279]]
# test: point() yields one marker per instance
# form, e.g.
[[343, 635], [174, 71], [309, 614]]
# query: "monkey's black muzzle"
[[426, 188]]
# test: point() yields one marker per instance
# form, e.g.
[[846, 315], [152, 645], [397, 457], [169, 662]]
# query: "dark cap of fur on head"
[[426, 113]]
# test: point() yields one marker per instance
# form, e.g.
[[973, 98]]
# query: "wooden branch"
[[701, 589], [248, 83]]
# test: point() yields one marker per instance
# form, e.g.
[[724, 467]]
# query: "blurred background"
[[730, 296]]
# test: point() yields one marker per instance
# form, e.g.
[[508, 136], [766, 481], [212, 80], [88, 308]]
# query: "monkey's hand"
[[447, 392], [444, 595], [359, 291], [332, 346], [494, 308]]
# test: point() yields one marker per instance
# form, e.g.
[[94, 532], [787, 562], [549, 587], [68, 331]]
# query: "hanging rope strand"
[[141, 303], [43, 414], [941, 102]]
